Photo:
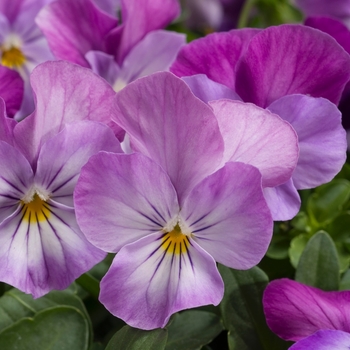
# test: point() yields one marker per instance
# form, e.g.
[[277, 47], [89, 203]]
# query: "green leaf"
[[15, 305], [52, 329], [242, 310], [328, 200], [297, 246], [192, 329], [318, 265], [345, 281], [129, 338], [279, 246]]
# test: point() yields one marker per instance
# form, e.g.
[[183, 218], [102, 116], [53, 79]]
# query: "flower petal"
[[64, 93], [151, 284], [49, 252], [158, 50], [254, 136], [11, 89], [228, 216], [292, 59], [215, 55], [167, 123], [322, 139], [16, 177], [73, 28], [6, 125], [283, 201], [62, 157], [324, 340], [294, 311], [209, 90], [140, 18], [120, 198]]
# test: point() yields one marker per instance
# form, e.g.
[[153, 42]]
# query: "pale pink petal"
[[146, 284]]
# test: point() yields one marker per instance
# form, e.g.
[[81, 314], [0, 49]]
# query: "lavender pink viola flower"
[[301, 69], [41, 245], [22, 45], [176, 205], [315, 319], [80, 32]]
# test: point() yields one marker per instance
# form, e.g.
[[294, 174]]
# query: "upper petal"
[[120, 198], [294, 311], [255, 136], [227, 215], [73, 28], [64, 93], [171, 126], [215, 55], [322, 139], [151, 284], [291, 59]]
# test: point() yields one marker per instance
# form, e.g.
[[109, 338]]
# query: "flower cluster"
[[118, 137]]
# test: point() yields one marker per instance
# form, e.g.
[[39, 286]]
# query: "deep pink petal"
[[6, 125], [228, 216], [291, 59], [62, 157], [283, 201], [140, 18], [64, 93], [167, 123], [324, 340], [120, 198], [209, 90], [255, 136], [294, 311], [322, 139], [11, 89], [73, 28], [146, 284], [215, 55]]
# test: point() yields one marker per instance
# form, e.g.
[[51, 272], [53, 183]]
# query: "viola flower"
[[80, 32], [22, 45], [275, 79], [175, 206], [312, 317], [41, 245]]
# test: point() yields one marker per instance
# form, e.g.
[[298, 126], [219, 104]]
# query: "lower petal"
[[146, 283], [44, 253]]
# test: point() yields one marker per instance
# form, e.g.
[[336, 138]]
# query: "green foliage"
[[190, 330], [129, 338], [318, 265]]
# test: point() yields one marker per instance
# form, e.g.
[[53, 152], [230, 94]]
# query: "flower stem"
[[90, 284], [244, 15]]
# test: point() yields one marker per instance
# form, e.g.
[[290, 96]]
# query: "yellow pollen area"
[[12, 58], [175, 242], [36, 210]]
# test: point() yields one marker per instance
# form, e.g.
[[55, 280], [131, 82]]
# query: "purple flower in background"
[[314, 64], [180, 202], [22, 45], [337, 9], [314, 318], [78, 31], [41, 245]]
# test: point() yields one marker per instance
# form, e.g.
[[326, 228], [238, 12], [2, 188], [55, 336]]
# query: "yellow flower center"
[[36, 210], [12, 57], [175, 242]]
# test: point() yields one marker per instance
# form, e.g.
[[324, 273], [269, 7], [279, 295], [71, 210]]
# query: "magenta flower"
[[41, 245], [313, 65], [78, 31], [176, 206], [310, 316], [22, 45]]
